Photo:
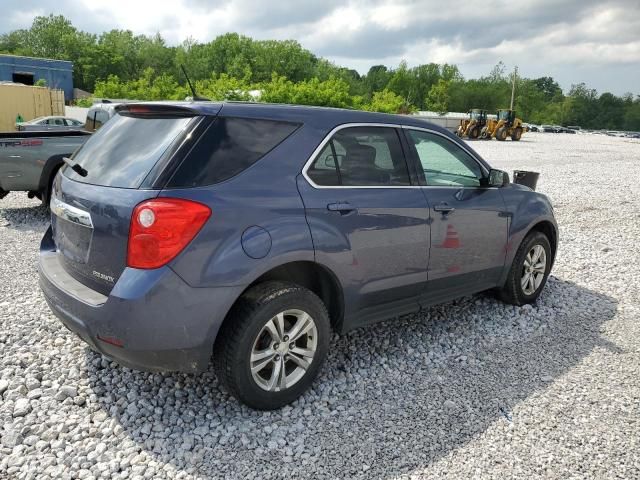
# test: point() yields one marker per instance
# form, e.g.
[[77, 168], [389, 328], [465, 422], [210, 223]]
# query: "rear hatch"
[[123, 162]]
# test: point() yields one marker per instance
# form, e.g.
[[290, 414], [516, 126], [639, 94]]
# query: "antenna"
[[196, 97]]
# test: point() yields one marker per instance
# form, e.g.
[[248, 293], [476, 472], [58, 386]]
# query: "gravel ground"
[[470, 389]]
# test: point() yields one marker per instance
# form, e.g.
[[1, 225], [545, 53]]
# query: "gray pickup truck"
[[30, 160]]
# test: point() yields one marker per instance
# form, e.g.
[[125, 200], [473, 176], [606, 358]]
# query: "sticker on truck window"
[[22, 143]]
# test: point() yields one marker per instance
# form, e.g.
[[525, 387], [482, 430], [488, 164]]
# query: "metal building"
[[27, 70]]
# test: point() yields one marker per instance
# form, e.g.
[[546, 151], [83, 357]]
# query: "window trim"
[[330, 135]]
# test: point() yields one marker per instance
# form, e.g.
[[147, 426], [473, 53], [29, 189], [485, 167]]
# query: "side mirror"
[[497, 178]]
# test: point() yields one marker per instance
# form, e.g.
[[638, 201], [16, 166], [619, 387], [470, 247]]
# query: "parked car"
[[251, 231], [43, 124], [30, 160]]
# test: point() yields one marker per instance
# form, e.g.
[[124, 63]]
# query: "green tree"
[[438, 97], [121, 64], [386, 101]]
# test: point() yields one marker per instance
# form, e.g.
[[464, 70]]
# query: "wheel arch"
[[51, 167], [312, 276], [548, 229]]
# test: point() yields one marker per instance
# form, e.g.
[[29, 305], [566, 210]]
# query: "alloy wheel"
[[283, 350], [533, 270]]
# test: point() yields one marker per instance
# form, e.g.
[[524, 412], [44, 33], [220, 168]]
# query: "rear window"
[[229, 146], [122, 153]]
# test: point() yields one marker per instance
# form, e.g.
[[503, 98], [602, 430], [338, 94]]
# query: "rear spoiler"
[[160, 110]]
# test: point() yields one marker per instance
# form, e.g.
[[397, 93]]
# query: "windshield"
[[122, 153]]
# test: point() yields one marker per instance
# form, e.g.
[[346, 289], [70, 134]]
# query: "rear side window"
[[229, 146], [361, 156], [122, 153]]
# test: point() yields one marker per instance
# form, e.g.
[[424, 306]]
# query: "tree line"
[[120, 64]]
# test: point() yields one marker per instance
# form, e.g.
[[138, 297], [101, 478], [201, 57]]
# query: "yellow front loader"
[[472, 126], [506, 125]]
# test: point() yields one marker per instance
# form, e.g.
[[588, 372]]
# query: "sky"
[[574, 41]]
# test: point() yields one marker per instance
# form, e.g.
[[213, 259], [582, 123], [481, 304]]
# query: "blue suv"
[[246, 233]]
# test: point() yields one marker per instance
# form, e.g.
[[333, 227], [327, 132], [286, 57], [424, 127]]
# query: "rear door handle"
[[342, 207], [443, 208]]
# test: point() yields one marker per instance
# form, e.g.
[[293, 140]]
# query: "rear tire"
[[45, 196], [528, 274], [517, 134], [474, 133], [253, 346], [501, 134]]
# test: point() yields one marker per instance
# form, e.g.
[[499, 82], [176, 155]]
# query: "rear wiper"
[[75, 167]]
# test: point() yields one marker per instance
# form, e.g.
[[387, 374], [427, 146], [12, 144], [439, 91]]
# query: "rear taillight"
[[161, 228]]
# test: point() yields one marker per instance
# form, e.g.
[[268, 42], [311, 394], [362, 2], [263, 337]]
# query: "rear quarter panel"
[[264, 196]]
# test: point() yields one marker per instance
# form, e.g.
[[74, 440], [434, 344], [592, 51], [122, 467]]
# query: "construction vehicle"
[[506, 125], [472, 126]]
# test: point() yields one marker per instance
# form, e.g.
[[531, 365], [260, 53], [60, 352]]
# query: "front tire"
[[272, 345], [517, 134], [474, 133], [529, 270], [501, 134]]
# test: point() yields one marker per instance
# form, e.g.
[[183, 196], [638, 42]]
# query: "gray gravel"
[[471, 389]]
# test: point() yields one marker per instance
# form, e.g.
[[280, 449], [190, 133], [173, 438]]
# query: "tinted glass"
[[445, 163], [229, 146], [100, 118], [122, 153], [361, 156]]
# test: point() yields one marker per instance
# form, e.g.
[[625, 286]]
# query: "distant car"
[[534, 128], [250, 231], [548, 129], [43, 124]]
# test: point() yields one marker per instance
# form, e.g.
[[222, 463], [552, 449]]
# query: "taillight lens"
[[161, 228]]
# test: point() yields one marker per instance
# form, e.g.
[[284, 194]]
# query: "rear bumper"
[[162, 323]]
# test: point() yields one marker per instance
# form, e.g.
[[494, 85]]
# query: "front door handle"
[[443, 208], [342, 207]]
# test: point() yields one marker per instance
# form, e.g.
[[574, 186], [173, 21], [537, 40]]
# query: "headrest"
[[359, 155]]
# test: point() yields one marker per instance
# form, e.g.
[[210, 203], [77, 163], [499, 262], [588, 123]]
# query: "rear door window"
[[122, 153], [361, 156], [229, 146]]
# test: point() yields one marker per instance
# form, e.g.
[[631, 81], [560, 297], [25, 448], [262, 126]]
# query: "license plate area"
[[72, 231]]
